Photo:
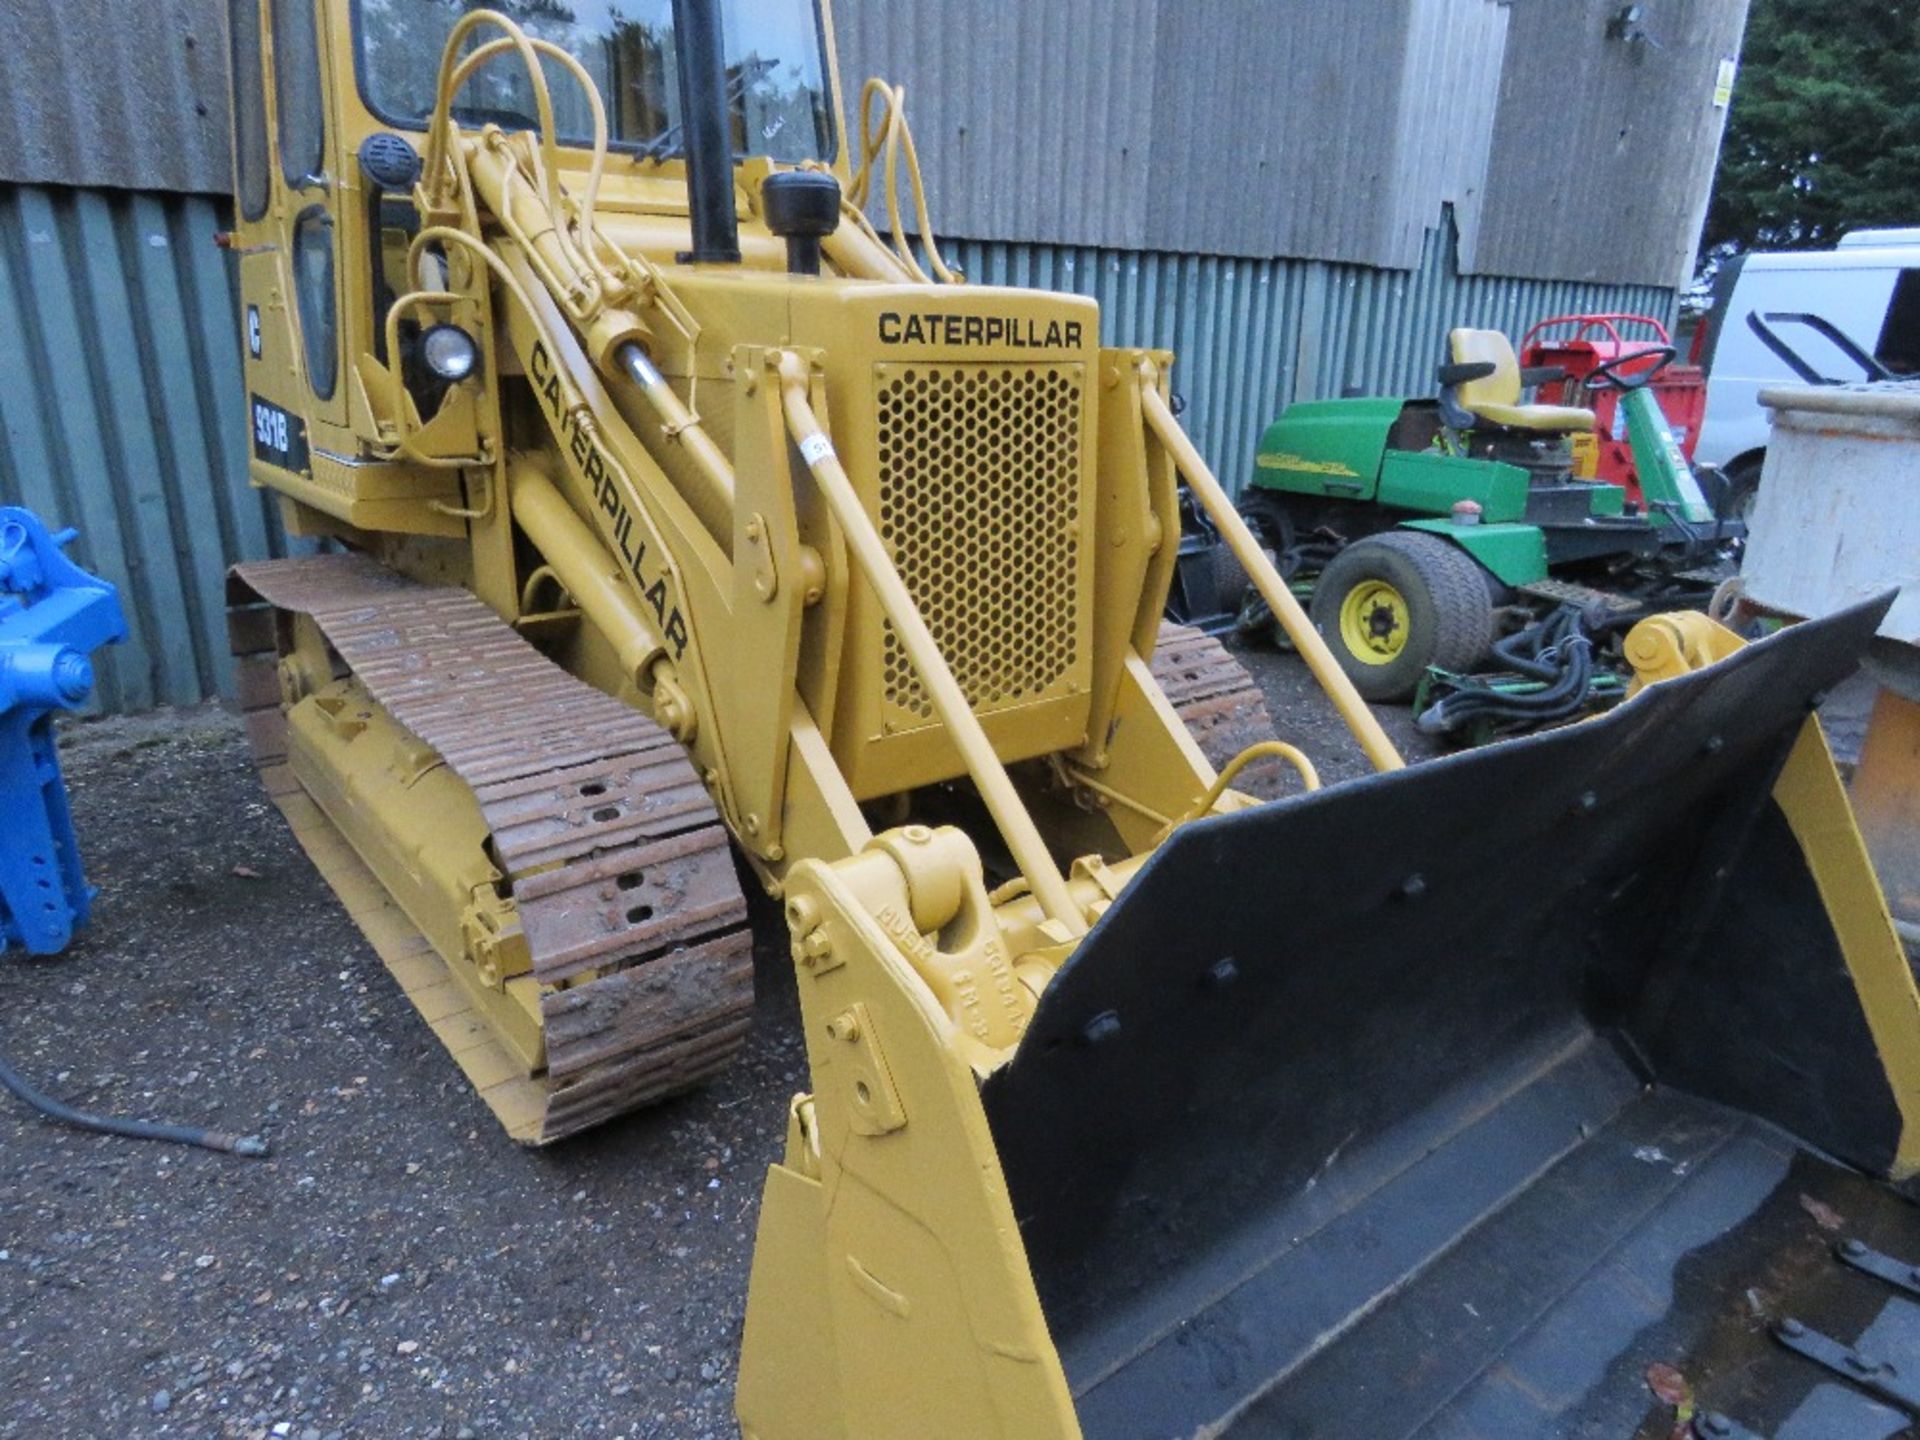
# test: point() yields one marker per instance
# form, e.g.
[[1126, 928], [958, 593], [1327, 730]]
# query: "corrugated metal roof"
[[115, 94], [1609, 177], [1276, 129], [1239, 127], [1257, 128], [1032, 121], [124, 414], [1266, 128], [1451, 88]]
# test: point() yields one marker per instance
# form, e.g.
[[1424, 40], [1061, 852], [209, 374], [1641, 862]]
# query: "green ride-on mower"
[[1440, 537]]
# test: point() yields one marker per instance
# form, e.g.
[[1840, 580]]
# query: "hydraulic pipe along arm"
[[1267, 580], [976, 750]]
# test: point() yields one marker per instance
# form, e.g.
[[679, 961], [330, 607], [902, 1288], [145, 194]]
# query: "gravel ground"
[[1302, 714], [397, 1268]]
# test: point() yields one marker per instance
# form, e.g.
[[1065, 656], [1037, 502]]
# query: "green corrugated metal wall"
[[121, 412], [1249, 337], [121, 405]]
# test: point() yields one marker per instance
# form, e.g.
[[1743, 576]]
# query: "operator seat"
[[1494, 401]]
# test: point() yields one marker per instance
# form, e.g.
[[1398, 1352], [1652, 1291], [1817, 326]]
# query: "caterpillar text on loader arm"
[[678, 511]]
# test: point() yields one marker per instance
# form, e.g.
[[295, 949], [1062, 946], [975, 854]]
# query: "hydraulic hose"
[[1558, 701], [1556, 651], [1531, 652], [251, 1146]]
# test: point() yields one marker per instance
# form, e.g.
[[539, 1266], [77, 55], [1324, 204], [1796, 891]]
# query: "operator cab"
[[325, 174]]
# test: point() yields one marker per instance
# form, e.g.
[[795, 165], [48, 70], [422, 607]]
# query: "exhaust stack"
[[698, 46]]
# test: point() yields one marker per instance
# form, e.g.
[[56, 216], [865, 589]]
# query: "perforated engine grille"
[[980, 504]]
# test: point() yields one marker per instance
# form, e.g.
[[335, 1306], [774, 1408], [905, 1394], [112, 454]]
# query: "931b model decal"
[[1005, 332], [593, 467], [279, 438]]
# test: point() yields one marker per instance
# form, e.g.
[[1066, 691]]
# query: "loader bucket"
[[1446, 1102]]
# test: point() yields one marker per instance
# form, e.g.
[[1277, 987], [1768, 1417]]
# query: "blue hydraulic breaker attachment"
[[53, 615]]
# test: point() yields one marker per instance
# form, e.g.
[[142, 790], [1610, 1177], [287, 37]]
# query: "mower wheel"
[[1393, 604]]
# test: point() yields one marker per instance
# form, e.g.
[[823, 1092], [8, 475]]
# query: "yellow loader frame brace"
[[823, 553]]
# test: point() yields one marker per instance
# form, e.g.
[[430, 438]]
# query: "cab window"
[[775, 65], [299, 107], [313, 298], [249, 108]]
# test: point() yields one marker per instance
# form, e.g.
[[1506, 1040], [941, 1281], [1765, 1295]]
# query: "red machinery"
[[1577, 344]]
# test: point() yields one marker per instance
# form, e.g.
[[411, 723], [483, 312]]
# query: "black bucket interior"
[[1318, 1050]]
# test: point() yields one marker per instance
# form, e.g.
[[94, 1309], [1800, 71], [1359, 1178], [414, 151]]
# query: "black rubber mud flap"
[[1314, 1044]]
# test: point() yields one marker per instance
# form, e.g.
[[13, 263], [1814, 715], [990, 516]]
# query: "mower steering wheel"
[[1608, 377]]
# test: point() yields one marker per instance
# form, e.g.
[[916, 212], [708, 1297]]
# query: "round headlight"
[[449, 352]]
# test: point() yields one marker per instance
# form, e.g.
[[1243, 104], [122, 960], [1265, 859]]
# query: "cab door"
[[284, 235], [309, 195]]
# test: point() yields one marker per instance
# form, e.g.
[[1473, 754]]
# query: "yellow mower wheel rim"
[[1374, 621]]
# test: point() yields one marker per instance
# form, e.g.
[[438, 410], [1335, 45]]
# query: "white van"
[[1867, 287]]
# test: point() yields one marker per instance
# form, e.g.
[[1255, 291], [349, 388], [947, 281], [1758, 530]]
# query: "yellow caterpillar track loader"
[[675, 514]]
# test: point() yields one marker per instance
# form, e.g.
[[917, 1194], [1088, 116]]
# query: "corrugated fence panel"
[[1251, 336], [123, 415], [1388, 328]]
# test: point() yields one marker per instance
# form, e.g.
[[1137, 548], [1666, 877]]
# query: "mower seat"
[[1495, 400]]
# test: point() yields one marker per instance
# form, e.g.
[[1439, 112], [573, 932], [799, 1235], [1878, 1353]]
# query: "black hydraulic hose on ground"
[[1558, 701], [252, 1146], [1556, 651], [1530, 652]]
